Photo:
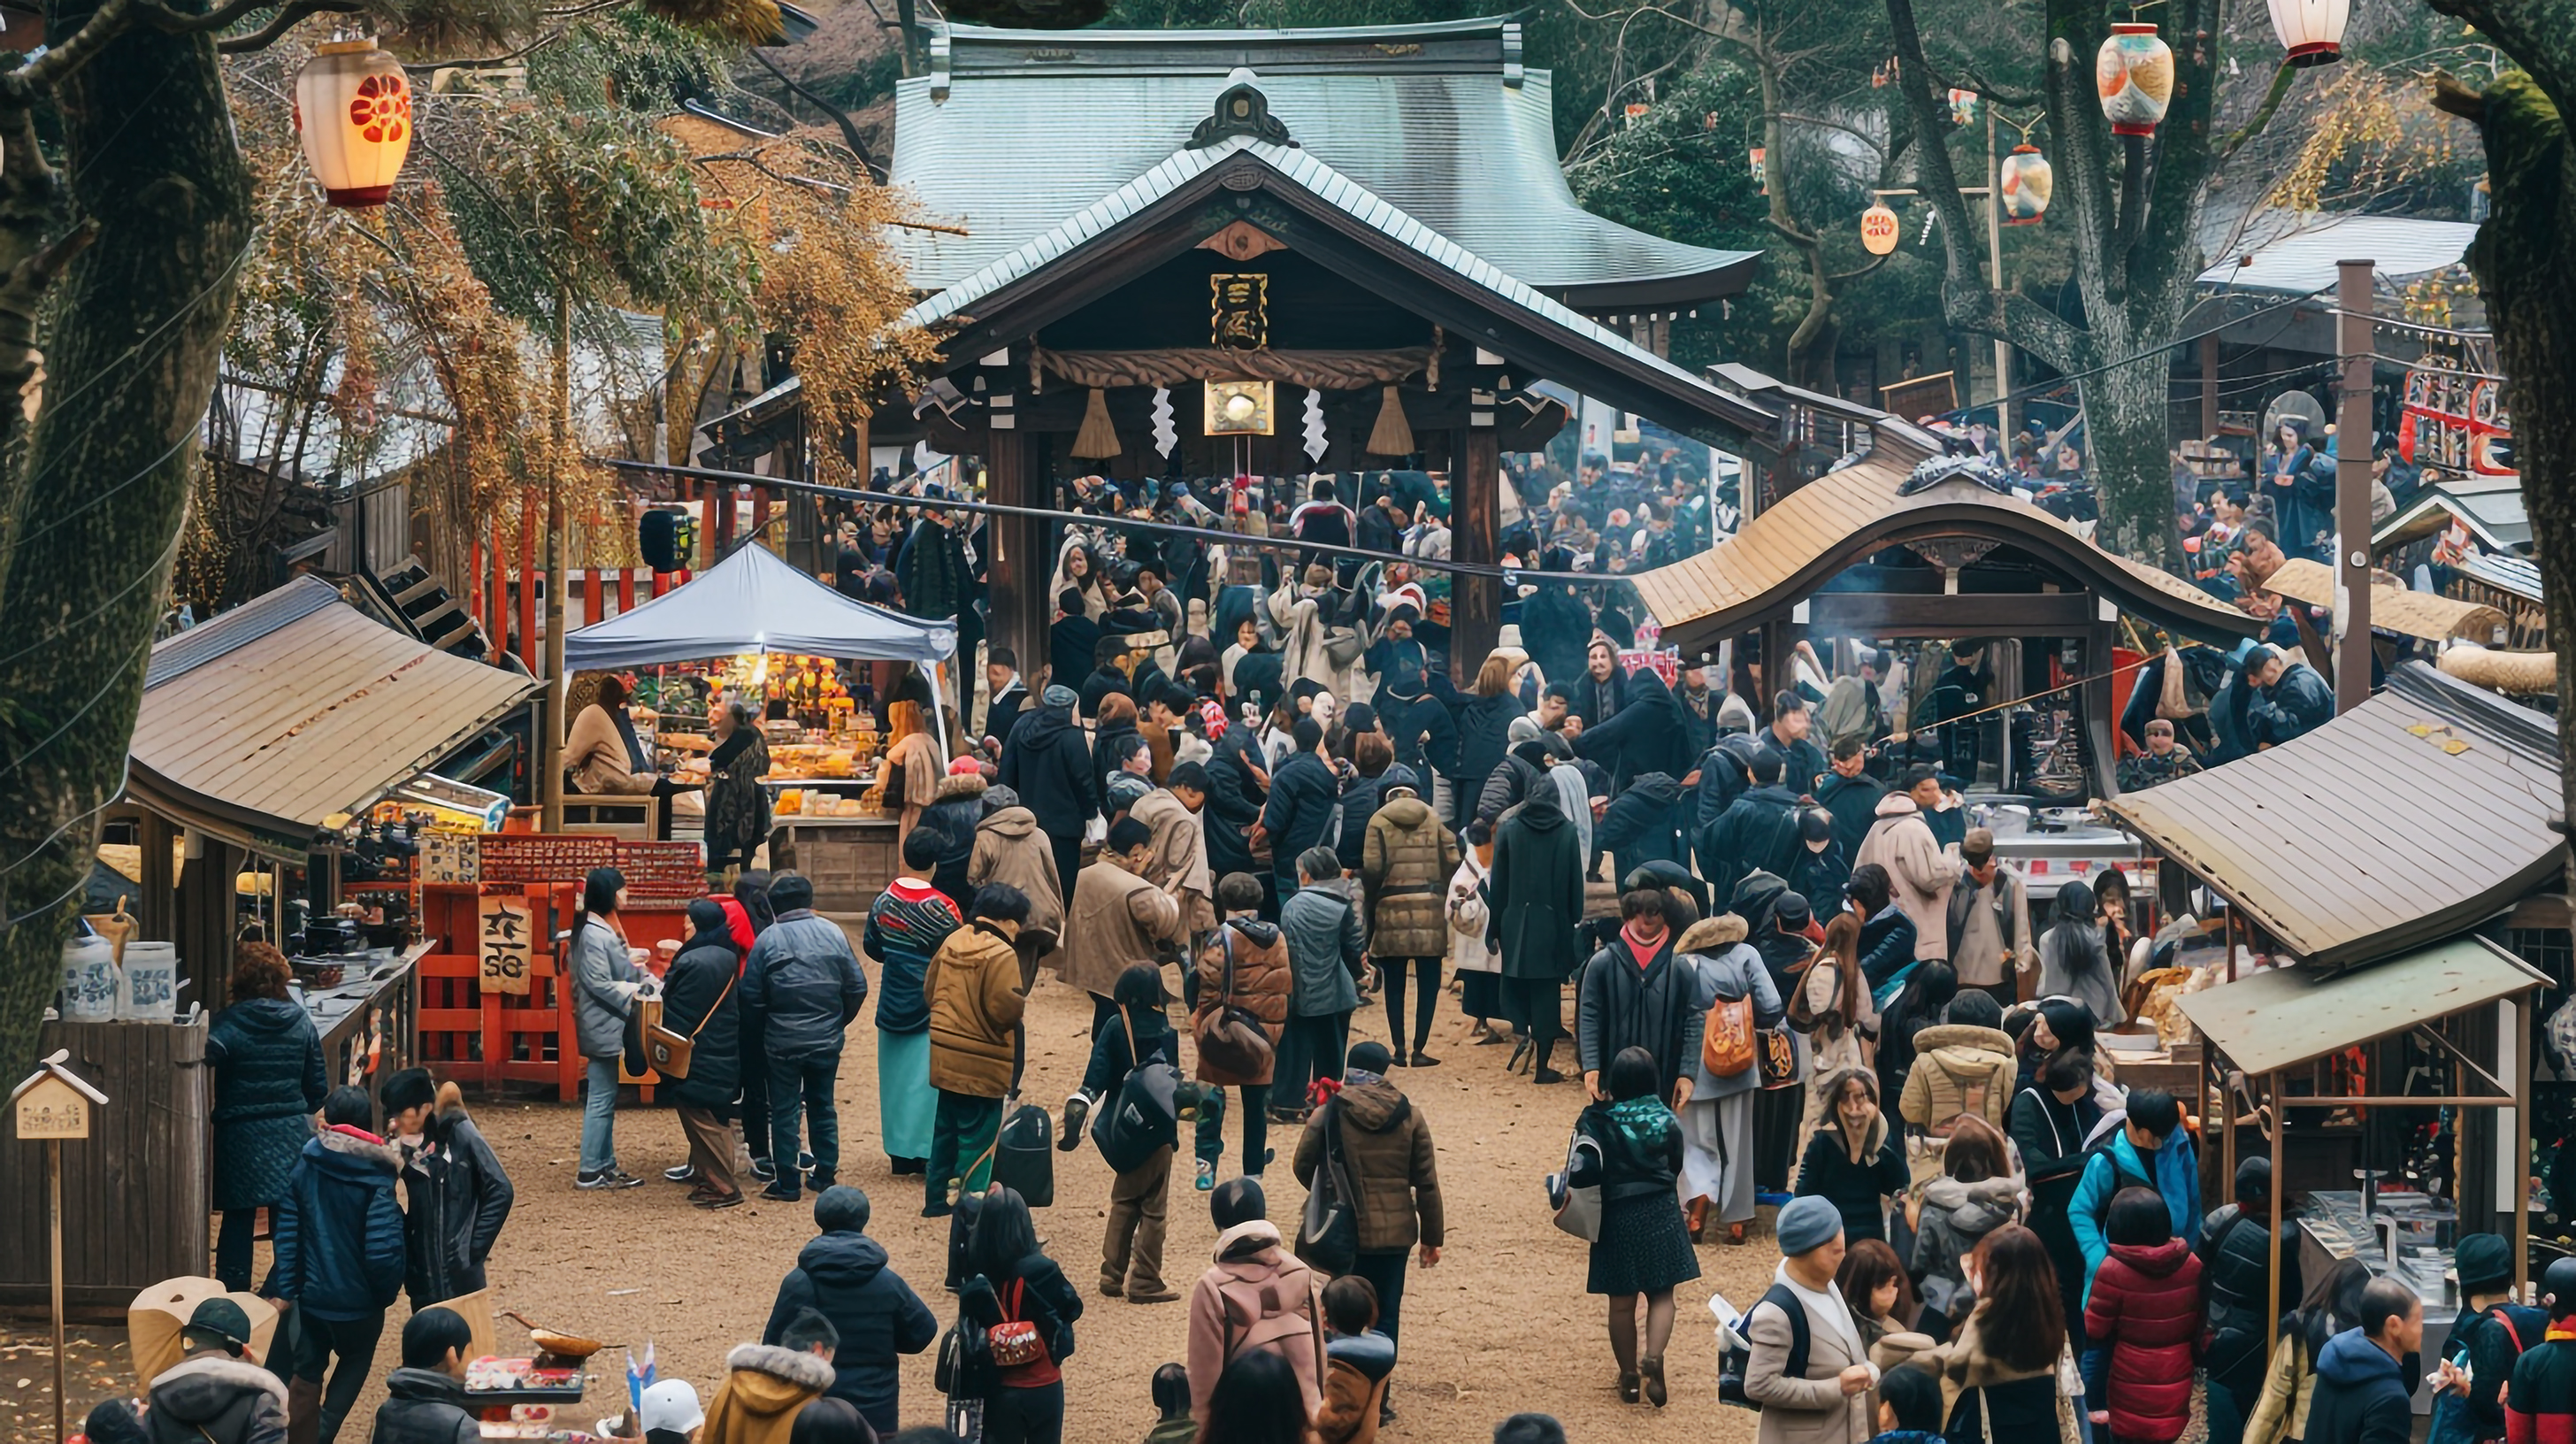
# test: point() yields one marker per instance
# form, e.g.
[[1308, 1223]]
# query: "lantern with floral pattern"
[[2134, 73], [2027, 183], [1879, 230], [353, 110]]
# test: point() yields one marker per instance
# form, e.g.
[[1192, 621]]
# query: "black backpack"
[[1143, 1115], [1737, 1362]]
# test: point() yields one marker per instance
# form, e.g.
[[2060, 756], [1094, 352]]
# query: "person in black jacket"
[[1644, 824], [1009, 1280], [2366, 1376], [1646, 734], [1237, 788], [2237, 1259], [1131, 1249], [1072, 639], [2490, 1334], [1047, 762], [700, 1002], [1425, 736], [2053, 1122], [843, 1275], [1302, 794], [458, 1193], [425, 1401], [339, 1260], [1758, 831], [1484, 737], [1854, 1161]]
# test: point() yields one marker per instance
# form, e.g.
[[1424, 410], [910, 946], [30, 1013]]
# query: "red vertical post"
[[759, 509], [625, 590], [596, 611]]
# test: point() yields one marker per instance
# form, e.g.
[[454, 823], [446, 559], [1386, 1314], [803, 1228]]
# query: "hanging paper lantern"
[[1761, 175], [2027, 183], [353, 108], [2134, 72], [2311, 30], [1963, 106], [1879, 230]]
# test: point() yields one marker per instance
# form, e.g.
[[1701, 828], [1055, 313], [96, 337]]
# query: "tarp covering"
[[754, 601]]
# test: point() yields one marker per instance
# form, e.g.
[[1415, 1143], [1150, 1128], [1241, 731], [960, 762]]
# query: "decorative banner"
[[503, 942], [1316, 440], [1166, 435], [1239, 310], [449, 858]]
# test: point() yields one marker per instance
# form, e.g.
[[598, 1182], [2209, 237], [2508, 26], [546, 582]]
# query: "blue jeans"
[[803, 1087], [599, 1116]]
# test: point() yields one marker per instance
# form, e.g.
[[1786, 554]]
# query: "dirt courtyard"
[[1501, 1325]]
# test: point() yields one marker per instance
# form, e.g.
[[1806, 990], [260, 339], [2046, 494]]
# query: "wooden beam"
[[1476, 602], [1017, 571], [1903, 614]]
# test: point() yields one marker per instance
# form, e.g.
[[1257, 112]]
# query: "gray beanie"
[[1809, 1222], [1058, 695], [1523, 728]]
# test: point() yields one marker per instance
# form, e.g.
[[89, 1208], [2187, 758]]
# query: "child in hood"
[[1358, 1360]]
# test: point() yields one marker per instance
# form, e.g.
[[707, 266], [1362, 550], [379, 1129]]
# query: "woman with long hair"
[[2074, 959], [1076, 569], [737, 821], [1976, 1194], [269, 1082], [1835, 996], [1009, 1280], [604, 754], [1645, 1248], [605, 980], [700, 1002], [2333, 1304], [908, 778], [1257, 1401], [1999, 1380]]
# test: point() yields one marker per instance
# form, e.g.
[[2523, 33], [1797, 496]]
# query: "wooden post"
[[1475, 602], [2101, 729], [2352, 488], [54, 1242], [2272, 1312], [550, 778], [1016, 573]]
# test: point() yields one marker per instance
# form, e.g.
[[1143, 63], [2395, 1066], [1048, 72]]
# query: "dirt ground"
[[1501, 1325]]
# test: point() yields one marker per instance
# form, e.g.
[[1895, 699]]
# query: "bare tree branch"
[[287, 18], [2262, 115]]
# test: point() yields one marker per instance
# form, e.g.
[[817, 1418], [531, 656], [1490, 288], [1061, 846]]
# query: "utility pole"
[[1995, 264], [551, 783], [2352, 487]]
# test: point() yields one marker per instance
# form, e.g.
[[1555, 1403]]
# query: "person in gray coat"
[[605, 981], [803, 978], [1717, 1122], [1327, 957]]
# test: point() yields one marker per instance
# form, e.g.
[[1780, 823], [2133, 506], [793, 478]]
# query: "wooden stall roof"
[[2408, 819], [2287, 1017], [1791, 550], [2429, 615], [267, 721]]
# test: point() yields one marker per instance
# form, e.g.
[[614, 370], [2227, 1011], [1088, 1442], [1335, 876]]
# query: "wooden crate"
[[848, 865], [137, 1192]]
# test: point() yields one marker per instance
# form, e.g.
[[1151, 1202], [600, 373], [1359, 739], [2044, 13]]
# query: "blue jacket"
[[1325, 943], [2174, 1174], [2361, 1394], [1302, 793], [268, 1085], [844, 1276], [338, 1231], [804, 983]]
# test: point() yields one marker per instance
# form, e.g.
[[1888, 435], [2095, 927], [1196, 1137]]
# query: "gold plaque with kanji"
[[1239, 310]]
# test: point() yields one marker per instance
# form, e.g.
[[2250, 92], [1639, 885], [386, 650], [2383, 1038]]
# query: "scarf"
[[1642, 949]]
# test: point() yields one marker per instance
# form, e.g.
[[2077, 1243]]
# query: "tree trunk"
[[2124, 424], [96, 512]]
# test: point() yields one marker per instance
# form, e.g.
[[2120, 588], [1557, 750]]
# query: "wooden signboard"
[[504, 941], [449, 857], [662, 872], [50, 1108], [543, 857]]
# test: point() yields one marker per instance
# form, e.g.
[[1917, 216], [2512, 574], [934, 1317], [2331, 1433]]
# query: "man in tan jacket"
[[766, 1385], [1828, 1400], [1118, 917], [1923, 875], [1177, 857], [972, 987]]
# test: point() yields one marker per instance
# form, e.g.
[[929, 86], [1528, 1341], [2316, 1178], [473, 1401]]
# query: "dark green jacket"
[[1537, 890]]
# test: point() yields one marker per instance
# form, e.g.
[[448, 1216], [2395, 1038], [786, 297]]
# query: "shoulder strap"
[[1225, 944], [2497, 1313], [2049, 1118], [1315, 1326], [1791, 1307], [1133, 1062], [721, 994]]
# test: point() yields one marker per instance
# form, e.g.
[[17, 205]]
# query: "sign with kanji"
[[55, 1103], [449, 857], [504, 940], [1239, 310]]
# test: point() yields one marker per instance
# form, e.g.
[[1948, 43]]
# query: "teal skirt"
[[906, 1103]]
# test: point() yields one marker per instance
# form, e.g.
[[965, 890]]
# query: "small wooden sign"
[[449, 857], [504, 940], [54, 1103]]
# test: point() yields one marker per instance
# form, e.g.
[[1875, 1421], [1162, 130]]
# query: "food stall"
[[753, 626]]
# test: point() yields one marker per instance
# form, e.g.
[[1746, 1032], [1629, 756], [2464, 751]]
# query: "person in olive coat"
[[268, 1085], [1537, 891], [701, 1001]]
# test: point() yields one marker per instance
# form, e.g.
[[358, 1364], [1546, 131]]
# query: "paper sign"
[[503, 941], [448, 857]]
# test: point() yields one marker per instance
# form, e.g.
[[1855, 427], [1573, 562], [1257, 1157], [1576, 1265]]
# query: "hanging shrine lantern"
[[1761, 174], [2027, 182], [2311, 30], [1963, 106], [2134, 72], [353, 110], [1879, 230]]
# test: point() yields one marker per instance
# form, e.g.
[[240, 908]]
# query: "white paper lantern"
[[1879, 231], [353, 109], [2311, 30], [2028, 181], [2134, 73]]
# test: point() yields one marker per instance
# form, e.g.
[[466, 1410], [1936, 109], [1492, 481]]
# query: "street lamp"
[[2134, 73], [1879, 230], [2311, 30], [353, 110], [2027, 182]]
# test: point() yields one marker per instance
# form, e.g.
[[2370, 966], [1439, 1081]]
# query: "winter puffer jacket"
[[1325, 947], [701, 999], [2145, 1310], [339, 1233], [1010, 849], [1047, 762], [764, 1388], [424, 1406], [843, 1276], [1361, 798], [1956, 1217], [972, 987], [1958, 1068], [268, 1085], [1484, 729], [1263, 981], [2239, 1280], [956, 810], [1234, 802], [1302, 794], [804, 982], [1406, 858], [459, 1199], [212, 1399], [603, 975], [1386, 1147], [1644, 823], [1425, 736], [2361, 1394]]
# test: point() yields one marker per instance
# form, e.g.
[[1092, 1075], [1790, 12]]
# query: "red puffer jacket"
[[2146, 1310]]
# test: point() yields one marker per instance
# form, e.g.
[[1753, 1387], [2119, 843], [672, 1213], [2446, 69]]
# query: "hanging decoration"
[[2027, 182], [1963, 106], [2134, 74], [1392, 435], [1098, 439], [353, 110], [2311, 30], [1879, 230], [1166, 434], [1761, 173], [1316, 441], [1238, 408]]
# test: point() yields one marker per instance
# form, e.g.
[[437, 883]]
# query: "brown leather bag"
[[1231, 1038]]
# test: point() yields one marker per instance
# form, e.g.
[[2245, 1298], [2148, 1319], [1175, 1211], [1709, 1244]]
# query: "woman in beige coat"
[[1406, 860], [909, 775], [1009, 848]]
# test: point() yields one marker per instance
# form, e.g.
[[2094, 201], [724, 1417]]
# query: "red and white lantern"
[[1879, 230], [2311, 30], [2027, 182], [2134, 73], [353, 110]]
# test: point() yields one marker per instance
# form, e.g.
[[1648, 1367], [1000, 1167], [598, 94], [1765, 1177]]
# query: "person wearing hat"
[[459, 1194], [1819, 867], [425, 1401], [2238, 1259], [669, 1413], [2540, 1402], [1047, 765], [215, 1394], [2491, 1333], [2165, 759], [1830, 1401], [1991, 943], [843, 1274]]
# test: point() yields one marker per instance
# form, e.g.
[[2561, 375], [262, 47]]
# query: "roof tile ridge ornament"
[[1241, 109]]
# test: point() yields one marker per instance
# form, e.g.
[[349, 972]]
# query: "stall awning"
[[270, 720], [755, 601], [2429, 615], [2286, 1017], [2408, 819]]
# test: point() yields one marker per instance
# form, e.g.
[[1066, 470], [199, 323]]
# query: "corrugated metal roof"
[[2492, 506], [1027, 128], [1793, 547], [2296, 255], [2512, 574], [2429, 615], [2413, 816], [302, 708], [2284, 1017]]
